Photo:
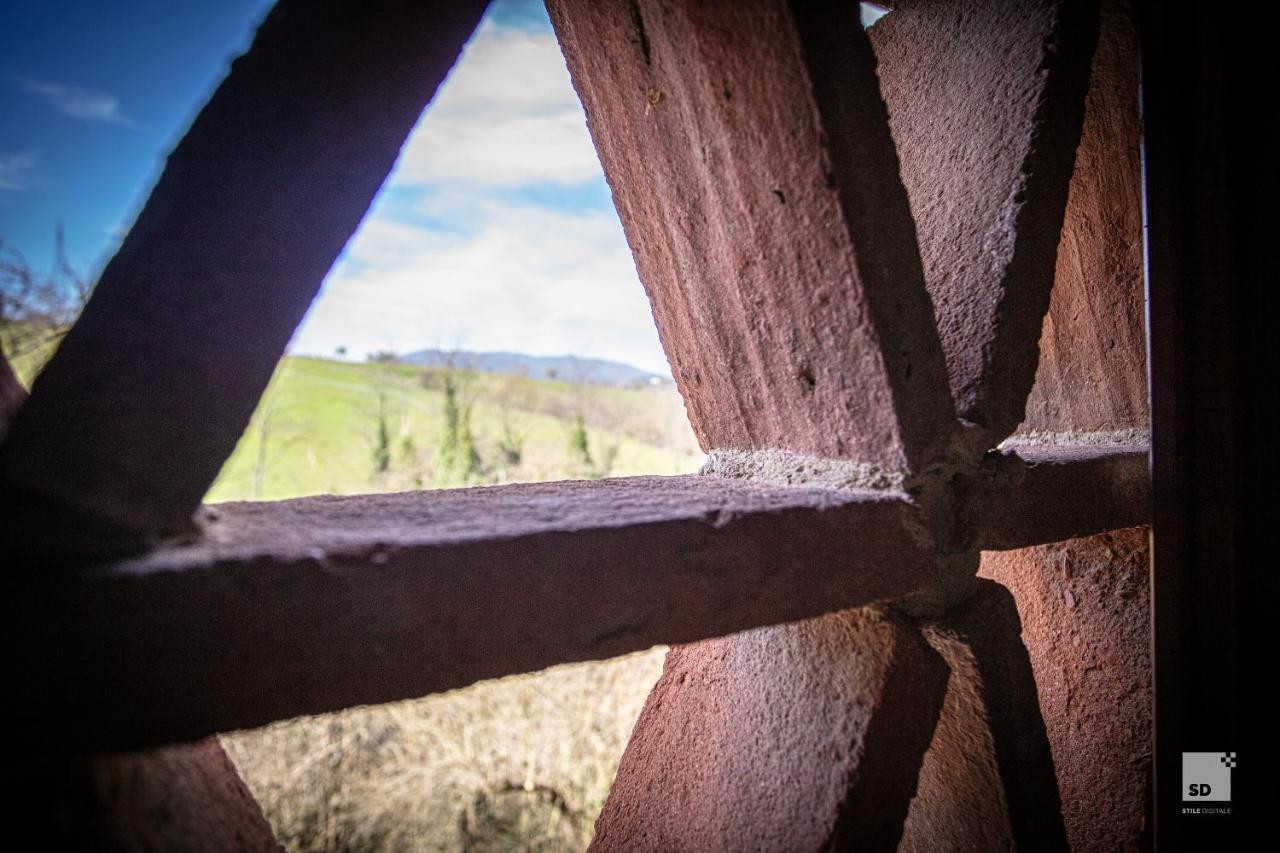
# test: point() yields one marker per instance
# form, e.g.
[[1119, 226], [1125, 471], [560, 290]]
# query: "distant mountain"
[[569, 368]]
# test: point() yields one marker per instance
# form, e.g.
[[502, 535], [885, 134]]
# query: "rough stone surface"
[[187, 797], [147, 395], [986, 100], [322, 603], [1030, 493], [753, 170], [805, 740], [1092, 373], [1084, 605], [987, 782], [782, 467]]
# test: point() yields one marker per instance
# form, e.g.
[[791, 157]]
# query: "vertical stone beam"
[[803, 740], [986, 99], [1084, 607], [751, 164], [149, 392], [988, 780], [187, 797]]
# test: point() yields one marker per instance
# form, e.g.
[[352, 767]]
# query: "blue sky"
[[91, 96], [495, 231]]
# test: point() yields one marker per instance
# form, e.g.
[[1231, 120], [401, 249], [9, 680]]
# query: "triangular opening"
[[485, 324]]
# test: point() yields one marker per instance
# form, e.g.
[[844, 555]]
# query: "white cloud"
[[530, 280], [506, 116], [16, 169], [80, 103], [454, 257]]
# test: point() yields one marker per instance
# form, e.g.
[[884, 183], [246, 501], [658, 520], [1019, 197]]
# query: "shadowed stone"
[[1084, 606], [986, 100], [751, 164], [700, 112], [150, 391], [798, 740], [987, 782], [12, 394], [187, 797]]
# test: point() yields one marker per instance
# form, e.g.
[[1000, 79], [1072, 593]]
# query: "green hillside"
[[317, 431]]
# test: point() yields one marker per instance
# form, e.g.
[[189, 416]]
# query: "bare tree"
[[457, 460], [510, 394], [381, 439], [586, 407], [37, 309]]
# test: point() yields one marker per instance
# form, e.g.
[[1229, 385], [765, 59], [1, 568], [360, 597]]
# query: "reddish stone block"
[[987, 782], [807, 739], [751, 163], [147, 395], [1085, 613], [986, 100], [1092, 374], [188, 797]]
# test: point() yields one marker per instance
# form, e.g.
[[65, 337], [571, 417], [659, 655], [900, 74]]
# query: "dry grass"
[[522, 763]]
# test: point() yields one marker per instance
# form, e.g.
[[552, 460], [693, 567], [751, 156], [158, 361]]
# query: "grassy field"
[[316, 430], [521, 763]]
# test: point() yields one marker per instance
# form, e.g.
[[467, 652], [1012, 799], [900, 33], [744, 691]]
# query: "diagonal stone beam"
[[988, 780], [751, 163], [808, 740], [75, 800], [188, 797], [148, 394], [986, 100], [12, 394], [1093, 347]]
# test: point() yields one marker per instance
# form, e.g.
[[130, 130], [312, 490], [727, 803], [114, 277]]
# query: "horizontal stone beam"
[[313, 605], [1037, 493]]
